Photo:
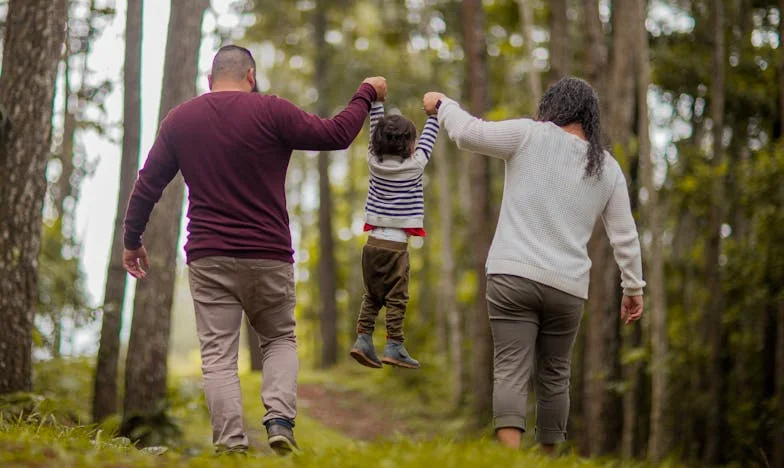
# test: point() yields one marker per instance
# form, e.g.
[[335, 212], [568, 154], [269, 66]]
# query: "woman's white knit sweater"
[[549, 206]]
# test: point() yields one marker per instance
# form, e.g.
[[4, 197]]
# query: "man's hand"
[[631, 309], [380, 85], [136, 262], [430, 101]]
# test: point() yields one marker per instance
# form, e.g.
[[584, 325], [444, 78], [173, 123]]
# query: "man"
[[233, 148]]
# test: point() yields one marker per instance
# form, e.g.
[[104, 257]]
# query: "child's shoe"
[[395, 354], [364, 352]]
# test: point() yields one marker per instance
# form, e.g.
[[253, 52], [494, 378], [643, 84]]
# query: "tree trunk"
[[778, 438], [595, 48], [560, 53], [593, 361], [354, 285], [525, 8], [105, 390], [63, 187], [716, 380], [597, 368], [781, 71], [603, 317], [473, 18], [631, 339], [327, 267], [448, 293], [146, 366], [658, 441], [32, 47]]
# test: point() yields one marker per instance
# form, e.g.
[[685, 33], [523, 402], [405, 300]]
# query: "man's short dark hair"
[[232, 62]]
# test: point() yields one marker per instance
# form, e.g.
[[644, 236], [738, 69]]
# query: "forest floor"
[[350, 417]]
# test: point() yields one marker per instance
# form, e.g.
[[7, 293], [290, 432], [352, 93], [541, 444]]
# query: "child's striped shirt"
[[396, 190]]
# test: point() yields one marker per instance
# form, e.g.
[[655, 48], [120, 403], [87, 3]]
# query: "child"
[[395, 210]]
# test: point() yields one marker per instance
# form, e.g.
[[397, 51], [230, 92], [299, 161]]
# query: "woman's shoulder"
[[612, 168]]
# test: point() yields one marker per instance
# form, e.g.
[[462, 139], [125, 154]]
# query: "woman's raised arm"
[[497, 139]]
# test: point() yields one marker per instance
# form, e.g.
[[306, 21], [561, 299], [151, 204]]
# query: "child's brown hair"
[[394, 135]]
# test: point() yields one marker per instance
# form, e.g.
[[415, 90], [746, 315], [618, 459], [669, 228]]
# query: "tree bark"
[[595, 68], [354, 255], [560, 53], [327, 267], [595, 48], [527, 25], [146, 367], [601, 330], [658, 440], [716, 380], [105, 389], [63, 188], [32, 47], [447, 279], [778, 438], [474, 44], [781, 71]]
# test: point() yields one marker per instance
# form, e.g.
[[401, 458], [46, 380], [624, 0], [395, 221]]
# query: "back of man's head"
[[232, 63]]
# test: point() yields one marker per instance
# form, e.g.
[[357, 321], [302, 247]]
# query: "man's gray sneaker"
[[395, 354], [364, 352], [281, 439]]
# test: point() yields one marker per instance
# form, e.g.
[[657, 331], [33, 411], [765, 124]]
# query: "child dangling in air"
[[395, 210]]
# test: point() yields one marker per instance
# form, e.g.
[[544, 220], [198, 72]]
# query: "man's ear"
[[251, 77], [209, 81]]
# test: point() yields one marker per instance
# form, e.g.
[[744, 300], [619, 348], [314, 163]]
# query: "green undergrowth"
[[40, 445], [48, 428]]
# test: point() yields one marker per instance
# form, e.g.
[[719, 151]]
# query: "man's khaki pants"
[[222, 287]]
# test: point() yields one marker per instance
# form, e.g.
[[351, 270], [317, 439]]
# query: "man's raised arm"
[[302, 130]]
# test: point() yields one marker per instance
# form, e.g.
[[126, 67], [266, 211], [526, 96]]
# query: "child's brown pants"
[[385, 269]]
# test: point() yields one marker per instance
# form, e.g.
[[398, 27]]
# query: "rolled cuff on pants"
[[509, 420], [550, 437]]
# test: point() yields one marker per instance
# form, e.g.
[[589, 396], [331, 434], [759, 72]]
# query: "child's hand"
[[380, 85], [430, 102]]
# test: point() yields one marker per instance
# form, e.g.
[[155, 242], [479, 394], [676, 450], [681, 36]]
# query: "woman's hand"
[[430, 102], [631, 309]]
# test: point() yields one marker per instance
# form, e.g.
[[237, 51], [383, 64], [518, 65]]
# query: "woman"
[[559, 181]]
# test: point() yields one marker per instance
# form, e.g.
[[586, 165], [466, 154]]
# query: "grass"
[[48, 436], [39, 445]]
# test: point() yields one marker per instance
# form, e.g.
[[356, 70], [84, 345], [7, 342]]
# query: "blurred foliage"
[[61, 291]]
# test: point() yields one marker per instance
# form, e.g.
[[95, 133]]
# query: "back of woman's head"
[[394, 135], [572, 100]]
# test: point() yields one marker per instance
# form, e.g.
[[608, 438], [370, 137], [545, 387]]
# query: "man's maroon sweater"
[[233, 149]]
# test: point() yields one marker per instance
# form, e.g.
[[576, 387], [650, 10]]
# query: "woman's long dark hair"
[[394, 135], [572, 100]]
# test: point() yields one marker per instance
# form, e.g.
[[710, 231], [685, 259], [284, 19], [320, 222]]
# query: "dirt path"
[[349, 412]]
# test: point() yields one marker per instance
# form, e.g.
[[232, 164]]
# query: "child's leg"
[[371, 300], [363, 351], [396, 298]]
